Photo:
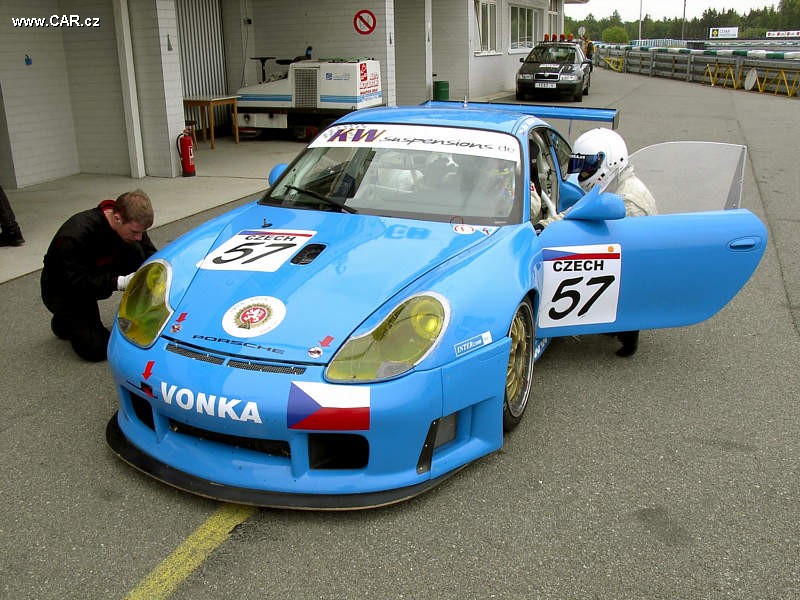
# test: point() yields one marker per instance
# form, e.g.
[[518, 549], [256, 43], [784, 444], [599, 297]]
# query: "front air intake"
[[308, 254], [305, 88]]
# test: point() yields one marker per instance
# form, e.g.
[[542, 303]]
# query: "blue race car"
[[370, 324]]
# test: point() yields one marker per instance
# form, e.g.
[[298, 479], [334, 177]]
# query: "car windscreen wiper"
[[324, 198]]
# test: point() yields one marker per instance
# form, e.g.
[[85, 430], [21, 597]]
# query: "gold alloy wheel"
[[520, 365]]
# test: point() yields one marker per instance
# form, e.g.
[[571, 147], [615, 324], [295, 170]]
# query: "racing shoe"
[[60, 329], [630, 343], [12, 238]]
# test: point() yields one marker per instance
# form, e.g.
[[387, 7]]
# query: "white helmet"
[[597, 154]]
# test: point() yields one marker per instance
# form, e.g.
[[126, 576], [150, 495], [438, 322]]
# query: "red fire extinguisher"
[[184, 143]]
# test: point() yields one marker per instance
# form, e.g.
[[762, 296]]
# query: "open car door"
[[602, 273]]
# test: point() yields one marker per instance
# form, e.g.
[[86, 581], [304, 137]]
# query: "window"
[[523, 24], [563, 152], [486, 15], [543, 172]]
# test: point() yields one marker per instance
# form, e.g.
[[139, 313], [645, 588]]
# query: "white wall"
[[94, 90], [451, 45], [239, 45], [38, 109], [413, 46], [6, 164], [158, 84]]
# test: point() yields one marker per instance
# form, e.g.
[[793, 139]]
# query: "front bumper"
[[532, 86], [421, 428], [130, 453]]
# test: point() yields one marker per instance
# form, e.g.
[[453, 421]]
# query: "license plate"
[[545, 84]]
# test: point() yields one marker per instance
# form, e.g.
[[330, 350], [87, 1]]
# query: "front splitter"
[[147, 464]]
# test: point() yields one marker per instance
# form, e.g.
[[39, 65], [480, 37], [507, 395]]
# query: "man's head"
[[132, 215]]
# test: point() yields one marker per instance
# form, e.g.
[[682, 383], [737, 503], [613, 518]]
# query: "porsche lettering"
[[571, 266], [243, 344], [209, 404]]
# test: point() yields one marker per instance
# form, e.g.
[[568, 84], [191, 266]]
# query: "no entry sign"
[[364, 22]]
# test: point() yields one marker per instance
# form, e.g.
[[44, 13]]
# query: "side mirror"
[[276, 172], [569, 192], [521, 60], [597, 206]]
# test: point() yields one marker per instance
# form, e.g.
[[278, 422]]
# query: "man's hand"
[[123, 281]]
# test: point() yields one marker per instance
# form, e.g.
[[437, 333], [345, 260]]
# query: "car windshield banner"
[[437, 139]]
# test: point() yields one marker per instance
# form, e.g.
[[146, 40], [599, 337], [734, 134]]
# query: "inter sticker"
[[473, 343]]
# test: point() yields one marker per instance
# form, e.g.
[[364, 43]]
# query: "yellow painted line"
[[166, 577]]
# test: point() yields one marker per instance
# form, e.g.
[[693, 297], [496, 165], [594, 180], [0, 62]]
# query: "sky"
[[659, 9]]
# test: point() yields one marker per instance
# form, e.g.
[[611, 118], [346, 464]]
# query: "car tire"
[[519, 96], [519, 372], [579, 94]]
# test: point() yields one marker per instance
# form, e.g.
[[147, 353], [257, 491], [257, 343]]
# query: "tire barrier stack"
[[762, 71]]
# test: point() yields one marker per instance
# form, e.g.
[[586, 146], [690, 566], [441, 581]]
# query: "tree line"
[[752, 25]]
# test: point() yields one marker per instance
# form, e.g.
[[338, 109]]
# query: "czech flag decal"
[[324, 407]]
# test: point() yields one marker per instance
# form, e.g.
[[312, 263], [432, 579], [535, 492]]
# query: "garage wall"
[[6, 164], [38, 109], [63, 113], [451, 44], [158, 84], [328, 28], [238, 35], [94, 90], [411, 46]]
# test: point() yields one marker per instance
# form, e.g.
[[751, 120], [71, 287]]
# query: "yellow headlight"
[[144, 308], [395, 346], [427, 318]]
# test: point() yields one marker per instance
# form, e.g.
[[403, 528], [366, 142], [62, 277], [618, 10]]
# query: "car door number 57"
[[581, 285]]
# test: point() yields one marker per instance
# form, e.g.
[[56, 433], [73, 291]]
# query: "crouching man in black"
[[93, 254]]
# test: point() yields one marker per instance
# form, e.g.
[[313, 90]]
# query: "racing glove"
[[123, 281], [542, 223]]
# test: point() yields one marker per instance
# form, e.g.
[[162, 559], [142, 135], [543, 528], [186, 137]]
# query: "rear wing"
[[546, 113]]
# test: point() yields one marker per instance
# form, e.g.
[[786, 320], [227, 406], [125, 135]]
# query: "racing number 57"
[[256, 250], [580, 285], [238, 253], [564, 291]]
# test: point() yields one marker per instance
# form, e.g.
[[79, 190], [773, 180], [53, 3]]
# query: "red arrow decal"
[[181, 318], [148, 370], [326, 342]]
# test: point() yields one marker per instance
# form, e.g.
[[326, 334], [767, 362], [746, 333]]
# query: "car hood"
[[538, 67], [327, 274]]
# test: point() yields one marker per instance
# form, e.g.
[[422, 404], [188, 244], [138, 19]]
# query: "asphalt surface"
[[673, 474]]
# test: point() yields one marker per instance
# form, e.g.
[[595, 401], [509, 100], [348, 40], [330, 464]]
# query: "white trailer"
[[313, 94]]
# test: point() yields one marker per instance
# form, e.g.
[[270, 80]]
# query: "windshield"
[[430, 173], [552, 54]]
